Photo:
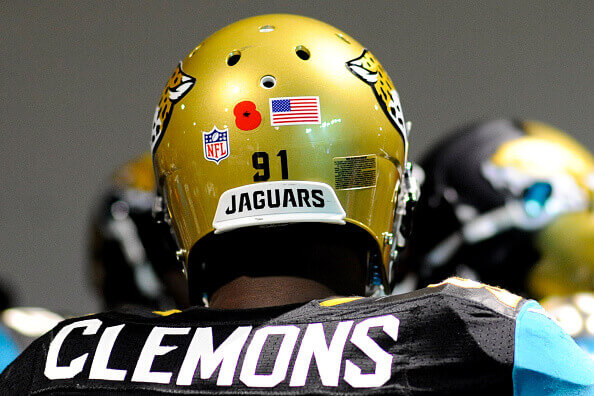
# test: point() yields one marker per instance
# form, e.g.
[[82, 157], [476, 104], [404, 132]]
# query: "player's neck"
[[246, 292]]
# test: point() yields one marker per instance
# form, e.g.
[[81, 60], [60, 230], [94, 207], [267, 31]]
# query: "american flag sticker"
[[294, 111]]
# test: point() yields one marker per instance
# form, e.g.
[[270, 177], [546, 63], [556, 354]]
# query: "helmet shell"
[[220, 88]]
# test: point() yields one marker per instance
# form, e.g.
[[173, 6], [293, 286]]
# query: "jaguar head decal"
[[177, 87], [369, 70]]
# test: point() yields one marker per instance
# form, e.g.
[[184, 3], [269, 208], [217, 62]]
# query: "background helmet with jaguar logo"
[[508, 203]]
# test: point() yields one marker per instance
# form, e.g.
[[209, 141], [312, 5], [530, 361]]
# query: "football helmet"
[[508, 203], [281, 120], [133, 258]]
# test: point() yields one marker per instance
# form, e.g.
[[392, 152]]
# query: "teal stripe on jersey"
[[547, 361]]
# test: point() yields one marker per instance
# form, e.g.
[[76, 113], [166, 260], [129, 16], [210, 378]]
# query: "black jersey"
[[454, 338]]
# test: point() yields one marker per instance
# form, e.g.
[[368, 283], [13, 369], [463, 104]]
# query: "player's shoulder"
[[131, 315], [480, 294], [547, 358], [453, 294], [139, 319]]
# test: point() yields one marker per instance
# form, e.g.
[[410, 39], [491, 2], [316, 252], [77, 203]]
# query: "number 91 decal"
[[261, 162]]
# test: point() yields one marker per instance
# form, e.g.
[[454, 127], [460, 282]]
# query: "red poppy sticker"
[[246, 116]]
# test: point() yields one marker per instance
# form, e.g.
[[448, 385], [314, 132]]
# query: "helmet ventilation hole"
[[302, 52], [268, 82], [266, 28], [233, 58]]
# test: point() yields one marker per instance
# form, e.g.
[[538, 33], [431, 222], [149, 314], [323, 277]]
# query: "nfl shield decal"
[[216, 144]]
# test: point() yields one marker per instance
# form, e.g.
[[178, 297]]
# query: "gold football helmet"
[[282, 119]]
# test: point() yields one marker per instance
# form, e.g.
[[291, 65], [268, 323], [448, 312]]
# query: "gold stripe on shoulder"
[[336, 301], [460, 282], [167, 313], [505, 297]]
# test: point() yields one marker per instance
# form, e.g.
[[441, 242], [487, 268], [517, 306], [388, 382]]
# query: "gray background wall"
[[80, 81]]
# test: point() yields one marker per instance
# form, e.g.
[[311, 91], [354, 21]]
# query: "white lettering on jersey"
[[382, 359], [152, 347], [201, 350], [326, 348], [248, 372], [99, 368], [328, 358], [52, 370]]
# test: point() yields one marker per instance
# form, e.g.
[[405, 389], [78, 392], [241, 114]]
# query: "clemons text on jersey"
[[261, 356]]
